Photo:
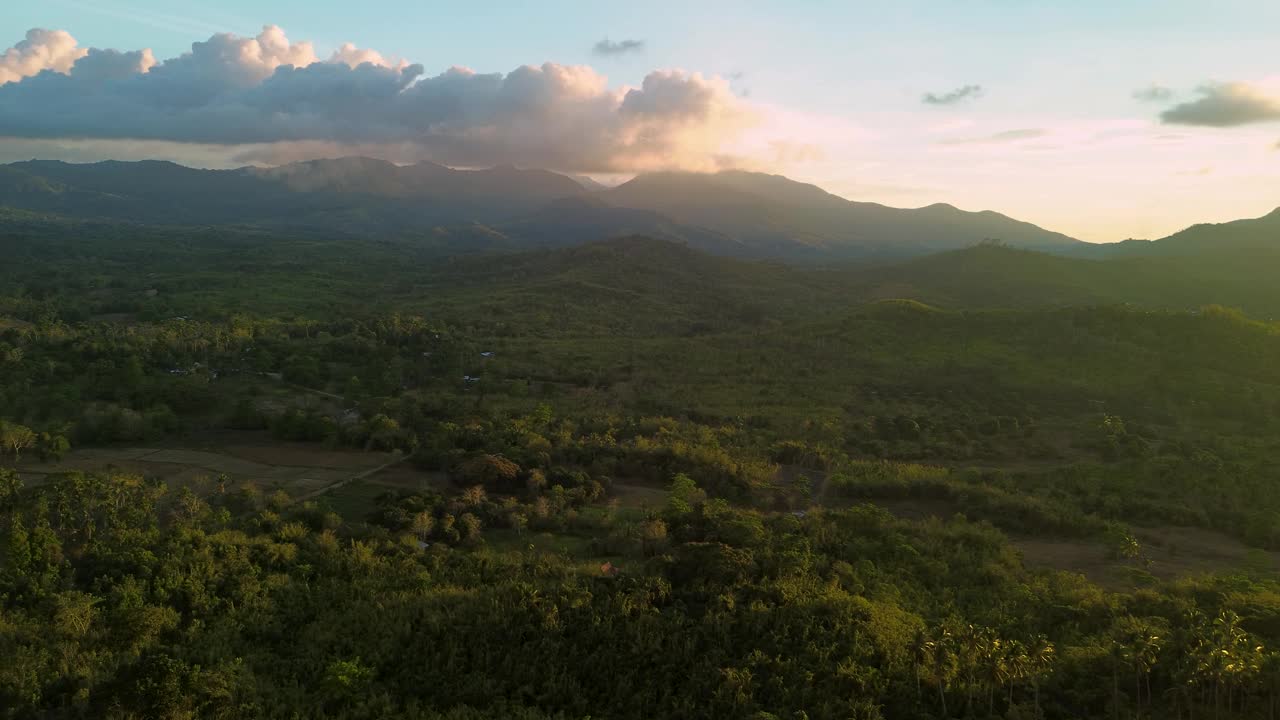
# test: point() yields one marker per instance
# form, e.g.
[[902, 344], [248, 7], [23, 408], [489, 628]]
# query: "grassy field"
[[1168, 552], [354, 501], [296, 468]]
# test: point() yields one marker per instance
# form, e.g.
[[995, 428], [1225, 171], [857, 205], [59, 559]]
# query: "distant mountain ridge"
[[735, 213], [140, 190], [773, 214]]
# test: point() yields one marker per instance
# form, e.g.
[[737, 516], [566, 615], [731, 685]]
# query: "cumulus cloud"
[[1226, 105], [263, 90], [41, 50], [1153, 94], [968, 92], [607, 47], [101, 65]]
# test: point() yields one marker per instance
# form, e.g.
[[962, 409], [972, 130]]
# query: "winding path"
[[354, 478]]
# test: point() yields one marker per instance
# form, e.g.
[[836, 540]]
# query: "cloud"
[[1226, 105], [968, 92], [1000, 137], [1153, 94], [266, 90], [352, 56], [607, 47], [42, 50]]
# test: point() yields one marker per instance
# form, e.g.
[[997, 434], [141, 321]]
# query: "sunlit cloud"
[[1227, 105], [41, 50], [266, 90]]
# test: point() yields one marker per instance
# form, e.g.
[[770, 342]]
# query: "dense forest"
[[640, 482]]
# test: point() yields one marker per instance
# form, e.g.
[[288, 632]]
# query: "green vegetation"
[[637, 481]]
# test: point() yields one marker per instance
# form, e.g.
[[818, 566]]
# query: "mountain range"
[[733, 213]]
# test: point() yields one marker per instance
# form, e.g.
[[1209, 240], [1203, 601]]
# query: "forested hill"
[[995, 276], [1251, 234], [91, 267], [249, 473]]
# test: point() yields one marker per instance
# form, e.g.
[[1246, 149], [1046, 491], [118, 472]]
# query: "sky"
[[1101, 119]]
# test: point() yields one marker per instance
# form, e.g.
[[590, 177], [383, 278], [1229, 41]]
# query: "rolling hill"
[[995, 276], [1254, 233]]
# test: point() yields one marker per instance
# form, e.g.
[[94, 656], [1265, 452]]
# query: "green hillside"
[[256, 474]]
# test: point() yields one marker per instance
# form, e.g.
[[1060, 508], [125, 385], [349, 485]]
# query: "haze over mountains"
[[735, 213]]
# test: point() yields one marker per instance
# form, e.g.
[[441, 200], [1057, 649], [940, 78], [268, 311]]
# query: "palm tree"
[[1270, 669], [994, 669], [1018, 663], [1040, 659], [1226, 656], [920, 655], [943, 665], [1142, 649], [969, 653], [1233, 655], [1118, 653]]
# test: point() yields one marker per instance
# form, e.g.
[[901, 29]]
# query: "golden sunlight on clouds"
[[267, 99], [41, 50]]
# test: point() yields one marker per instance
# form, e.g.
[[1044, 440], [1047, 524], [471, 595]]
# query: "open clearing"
[[1168, 552], [298, 469], [8, 322], [406, 477], [639, 496]]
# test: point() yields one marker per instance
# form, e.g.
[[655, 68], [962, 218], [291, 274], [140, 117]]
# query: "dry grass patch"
[[303, 455], [7, 323], [406, 477], [307, 470], [639, 496], [1168, 553]]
